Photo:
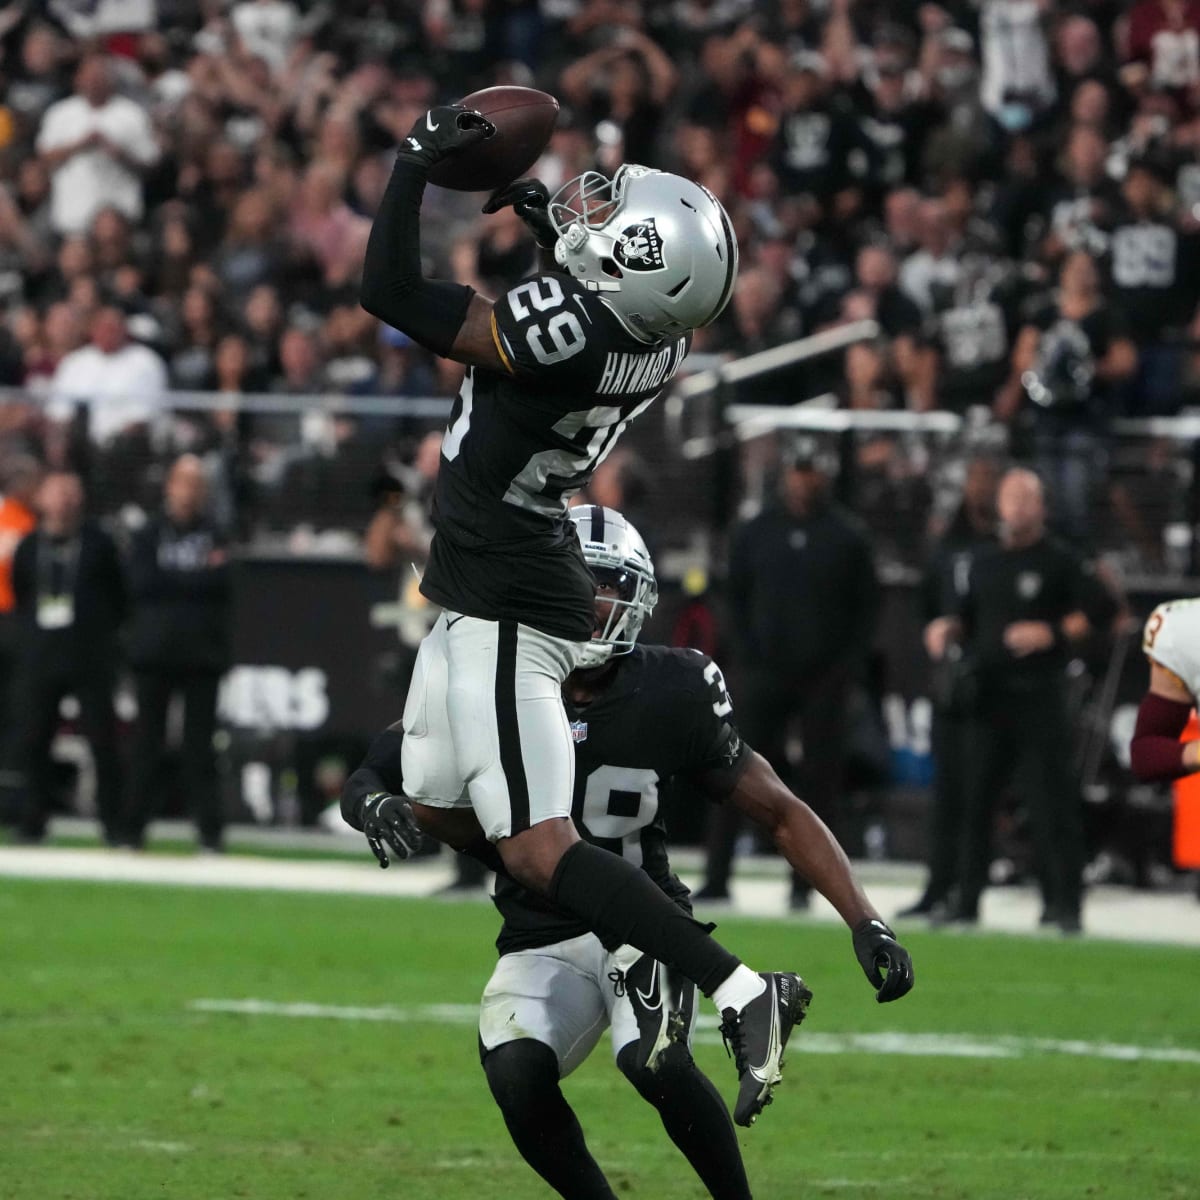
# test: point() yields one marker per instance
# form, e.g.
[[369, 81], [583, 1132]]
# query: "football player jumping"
[[1171, 641], [557, 368], [642, 717]]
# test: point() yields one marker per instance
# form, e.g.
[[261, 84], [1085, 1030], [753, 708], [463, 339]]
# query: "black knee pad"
[[518, 1072]]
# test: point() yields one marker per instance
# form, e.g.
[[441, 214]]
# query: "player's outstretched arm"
[[374, 803], [445, 317], [1156, 753], [810, 848]]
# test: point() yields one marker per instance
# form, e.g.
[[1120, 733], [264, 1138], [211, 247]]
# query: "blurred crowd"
[[1010, 188]]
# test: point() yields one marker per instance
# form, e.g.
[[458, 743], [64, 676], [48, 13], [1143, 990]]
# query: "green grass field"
[[113, 1084]]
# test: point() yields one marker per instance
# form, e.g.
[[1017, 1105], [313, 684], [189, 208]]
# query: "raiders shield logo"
[[1029, 583], [639, 247], [578, 731]]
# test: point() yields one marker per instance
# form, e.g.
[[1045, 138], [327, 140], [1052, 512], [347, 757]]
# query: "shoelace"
[[734, 1038], [617, 979]]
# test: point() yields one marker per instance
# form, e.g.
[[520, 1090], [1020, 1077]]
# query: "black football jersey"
[[520, 443], [665, 714]]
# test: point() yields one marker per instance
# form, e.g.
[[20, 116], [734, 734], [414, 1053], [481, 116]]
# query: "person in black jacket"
[[971, 531], [804, 599], [1026, 601], [70, 602], [179, 643]]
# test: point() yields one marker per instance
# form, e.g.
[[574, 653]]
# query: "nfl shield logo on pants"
[[578, 731]]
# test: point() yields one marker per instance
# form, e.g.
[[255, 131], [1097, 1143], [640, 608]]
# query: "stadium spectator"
[[96, 145], [119, 381], [819, 152], [39, 79], [70, 602], [803, 600], [876, 296], [267, 29], [191, 365], [324, 223], [60, 334], [935, 262], [1017, 84], [1070, 354], [262, 319], [23, 252], [1155, 273], [252, 252], [1081, 209], [1163, 46], [1081, 58], [178, 645], [896, 118], [627, 83]]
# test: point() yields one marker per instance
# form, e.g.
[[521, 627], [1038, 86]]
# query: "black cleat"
[[660, 1023], [758, 1035]]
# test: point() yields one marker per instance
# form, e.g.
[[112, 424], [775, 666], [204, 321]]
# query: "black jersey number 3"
[[562, 331]]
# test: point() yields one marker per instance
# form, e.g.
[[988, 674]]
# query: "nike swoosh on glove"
[[886, 963], [443, 131], [530, 200], [388, 820]]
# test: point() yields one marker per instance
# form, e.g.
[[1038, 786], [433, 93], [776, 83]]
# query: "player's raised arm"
[[445, 317], [809, 847]]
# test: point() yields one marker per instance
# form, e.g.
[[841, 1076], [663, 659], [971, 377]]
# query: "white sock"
[[739, 989]]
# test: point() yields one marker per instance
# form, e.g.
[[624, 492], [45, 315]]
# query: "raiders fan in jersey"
[[557, 368], [1171, 642], [642, 717]]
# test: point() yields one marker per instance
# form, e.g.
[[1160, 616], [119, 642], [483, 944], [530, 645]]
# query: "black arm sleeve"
[[379, 772], [430, 311]]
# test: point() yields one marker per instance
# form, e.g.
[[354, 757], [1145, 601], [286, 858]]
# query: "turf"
[[113, 1085]]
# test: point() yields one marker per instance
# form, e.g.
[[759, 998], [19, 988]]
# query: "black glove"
[[389, 819], [443, 131], [531, 202], [878, 951]]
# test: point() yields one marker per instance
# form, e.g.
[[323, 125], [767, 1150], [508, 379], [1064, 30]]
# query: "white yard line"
[[920, 1045], [1109, 912]]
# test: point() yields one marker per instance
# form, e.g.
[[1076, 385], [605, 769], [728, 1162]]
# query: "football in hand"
[[524, 120]]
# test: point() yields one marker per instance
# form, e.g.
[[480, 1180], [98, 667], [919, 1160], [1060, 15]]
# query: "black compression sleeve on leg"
[[694, 1116], [430, 311], [523, 1076], [621, 903]]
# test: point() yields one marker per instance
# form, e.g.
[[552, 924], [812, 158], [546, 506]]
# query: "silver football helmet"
[[658, 249], [616, 554]]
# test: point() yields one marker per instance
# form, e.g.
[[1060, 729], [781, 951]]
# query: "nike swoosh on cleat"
[[654, 996], [773, 1046], [429, 122]]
